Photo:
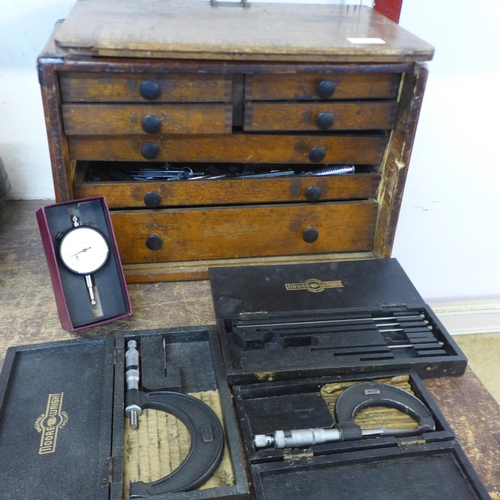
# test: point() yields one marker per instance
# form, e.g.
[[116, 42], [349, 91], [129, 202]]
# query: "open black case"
[[292, 335], [63, 432], [290, 321]]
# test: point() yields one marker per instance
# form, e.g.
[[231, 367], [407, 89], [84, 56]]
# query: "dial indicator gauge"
[[84, 250]]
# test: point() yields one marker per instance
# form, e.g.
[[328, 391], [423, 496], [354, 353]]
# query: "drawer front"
[[304, 86], [128, 87], [213, 233], [320, 116], [117, 119], [242, 148], [228, 192]]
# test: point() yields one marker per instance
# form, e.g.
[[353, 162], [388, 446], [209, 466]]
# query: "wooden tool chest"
[[263, 89]]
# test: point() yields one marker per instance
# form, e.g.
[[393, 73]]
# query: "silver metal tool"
[[335, 170], [132, 376], [206, 434], [352, 400]]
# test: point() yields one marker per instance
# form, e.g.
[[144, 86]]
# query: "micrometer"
[[204, 427], [350, 401]]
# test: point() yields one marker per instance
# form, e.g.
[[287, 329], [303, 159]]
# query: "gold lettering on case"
[[314, 285], [50, 422]]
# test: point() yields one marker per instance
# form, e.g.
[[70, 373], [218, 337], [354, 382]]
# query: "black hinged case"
[[427, 466], [63, 432], [292, 333], [292, 321]]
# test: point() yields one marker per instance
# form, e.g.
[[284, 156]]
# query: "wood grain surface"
[[304, 116], [119, 119], [125, 87], [244, 231], [228, 192], [176, 28], [28, 315], [304, 86], [224, 148]]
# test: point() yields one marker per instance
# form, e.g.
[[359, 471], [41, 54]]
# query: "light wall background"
[[448, 237]]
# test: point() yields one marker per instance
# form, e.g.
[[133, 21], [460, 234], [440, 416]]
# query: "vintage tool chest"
[[254, 103], [295, 339]]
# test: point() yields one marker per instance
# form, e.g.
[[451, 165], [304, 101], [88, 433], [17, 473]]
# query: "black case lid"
[[311, 287], [436, 471], [56, 401]]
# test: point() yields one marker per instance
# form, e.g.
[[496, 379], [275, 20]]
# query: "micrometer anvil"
[[350, 401]]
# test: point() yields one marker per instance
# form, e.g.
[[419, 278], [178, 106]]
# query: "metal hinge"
[[252, 315], [305, 457], [112, 470], [407, 442], [394, 307]]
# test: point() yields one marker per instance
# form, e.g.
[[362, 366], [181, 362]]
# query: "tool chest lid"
[[322, 286], [211, 30], [56, 404]]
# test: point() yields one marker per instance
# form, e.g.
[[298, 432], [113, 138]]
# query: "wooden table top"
[[28, 315]]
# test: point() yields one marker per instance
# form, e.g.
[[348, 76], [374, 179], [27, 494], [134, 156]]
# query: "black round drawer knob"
[[154, 242], [151, 124], [150, 150], [310, 235], [152, 199], [317, 155], [324, 121], [313, 193], [149, 90], [325, 89]]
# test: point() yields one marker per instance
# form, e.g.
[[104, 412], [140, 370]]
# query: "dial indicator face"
[[84, 250]]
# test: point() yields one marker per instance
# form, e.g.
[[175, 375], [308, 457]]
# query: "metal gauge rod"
[[328, 321]]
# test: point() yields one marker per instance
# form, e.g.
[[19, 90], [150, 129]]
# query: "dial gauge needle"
[[81, 251]]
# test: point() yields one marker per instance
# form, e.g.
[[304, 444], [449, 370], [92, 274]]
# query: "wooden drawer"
[[130, 87], [306, 86], [229, 232], [117, 119], [361, 115], [242, 148], [231, 191]]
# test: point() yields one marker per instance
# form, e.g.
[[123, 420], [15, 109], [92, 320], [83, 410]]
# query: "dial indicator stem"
[[90, 288]]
